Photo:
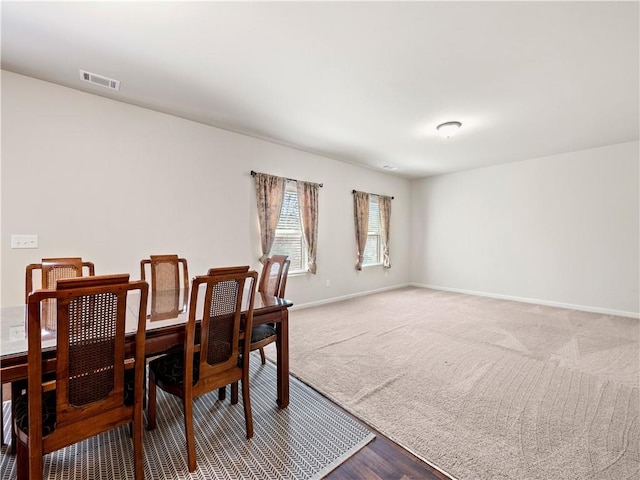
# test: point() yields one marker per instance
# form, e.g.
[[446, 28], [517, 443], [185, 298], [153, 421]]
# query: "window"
[[373, 251], [289, 239]]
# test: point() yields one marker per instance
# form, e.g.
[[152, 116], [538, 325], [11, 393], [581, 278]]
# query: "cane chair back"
[[97, 387], [169, 284], [213, 360]]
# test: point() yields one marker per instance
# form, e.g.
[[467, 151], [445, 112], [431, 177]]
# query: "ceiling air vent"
[[100, 80]]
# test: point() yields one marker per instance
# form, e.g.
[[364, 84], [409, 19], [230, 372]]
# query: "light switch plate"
[[24, 241]]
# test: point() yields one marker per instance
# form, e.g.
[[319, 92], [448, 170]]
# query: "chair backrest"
[[165, 272], [221, 321], [54, 269], [228, 270], [283, 278], [90, 356], [169, 279], [102, 280], [273, 280]]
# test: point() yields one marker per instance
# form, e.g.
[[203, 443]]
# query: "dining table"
[[167, 314]]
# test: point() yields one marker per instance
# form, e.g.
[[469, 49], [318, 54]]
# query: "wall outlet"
[[24, 241], [327, 283], [16, 333]]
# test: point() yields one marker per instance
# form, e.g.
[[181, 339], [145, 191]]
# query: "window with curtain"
[[373, 250], [289, 239]]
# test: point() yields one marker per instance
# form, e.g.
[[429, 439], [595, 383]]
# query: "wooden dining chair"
[[51, 270], [273, 281], [213, 359], [97, 387], [169, 284]]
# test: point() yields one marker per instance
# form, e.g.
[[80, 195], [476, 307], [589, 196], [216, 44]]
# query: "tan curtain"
[[361, 218], [384, 204], [269, 196], [308, 203]]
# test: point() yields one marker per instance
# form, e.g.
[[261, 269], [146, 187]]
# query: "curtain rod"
[[376, 194], [254, 173]]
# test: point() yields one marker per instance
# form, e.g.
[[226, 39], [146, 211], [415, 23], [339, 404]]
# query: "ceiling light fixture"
[[448, 129]]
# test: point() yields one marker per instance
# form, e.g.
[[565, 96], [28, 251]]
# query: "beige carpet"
[[482, 388]]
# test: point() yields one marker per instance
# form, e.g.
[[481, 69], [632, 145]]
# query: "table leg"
[[282, 347]]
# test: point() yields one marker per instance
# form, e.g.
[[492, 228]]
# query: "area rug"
[[479, 387], [304, 441]]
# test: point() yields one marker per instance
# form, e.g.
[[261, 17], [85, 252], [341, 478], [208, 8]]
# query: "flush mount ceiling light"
[[448, 129]]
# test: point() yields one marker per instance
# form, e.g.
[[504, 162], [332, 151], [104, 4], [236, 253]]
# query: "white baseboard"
[[346, 297], [584, 308]]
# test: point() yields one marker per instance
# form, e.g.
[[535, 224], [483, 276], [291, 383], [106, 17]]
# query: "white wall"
[[559, 230], [114, 183], [96, 178]]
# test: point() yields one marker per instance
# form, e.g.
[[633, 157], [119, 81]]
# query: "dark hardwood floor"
[[383, 459]]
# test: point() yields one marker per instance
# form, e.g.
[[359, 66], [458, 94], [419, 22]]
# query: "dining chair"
[[212, 359], [273, 281], [97, 386], [169, 283], [51, 270]]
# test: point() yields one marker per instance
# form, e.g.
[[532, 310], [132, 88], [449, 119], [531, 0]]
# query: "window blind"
[[289, 239]]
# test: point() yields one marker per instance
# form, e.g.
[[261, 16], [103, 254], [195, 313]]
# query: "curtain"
[[308, 204], [269, 196], [384, 204], [361, 218]]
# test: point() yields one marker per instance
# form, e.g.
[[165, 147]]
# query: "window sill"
[[372, 265], [299, 273]]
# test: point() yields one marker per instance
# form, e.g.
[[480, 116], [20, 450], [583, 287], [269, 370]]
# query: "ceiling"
[[362, 82]]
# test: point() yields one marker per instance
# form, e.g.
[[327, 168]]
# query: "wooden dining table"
[[166, 319]]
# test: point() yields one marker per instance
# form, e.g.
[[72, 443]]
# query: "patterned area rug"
[[306, 440]]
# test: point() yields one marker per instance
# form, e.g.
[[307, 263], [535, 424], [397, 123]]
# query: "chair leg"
[[262, 357], [189, 433], [222, 393], [29, 463], [1, 418], [234, 393], [138, 452], [247, 407], [151, 404], [22, 461], [144, 384], [16, 391]]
